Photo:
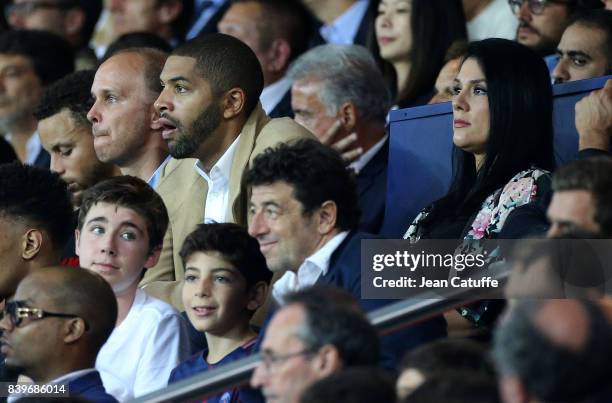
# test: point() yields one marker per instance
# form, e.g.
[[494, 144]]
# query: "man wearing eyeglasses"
[[318, 332], [74, 20], [54, 327], [542, 22]]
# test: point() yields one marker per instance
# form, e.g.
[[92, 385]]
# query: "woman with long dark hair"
[[503, 136], [413, 37]]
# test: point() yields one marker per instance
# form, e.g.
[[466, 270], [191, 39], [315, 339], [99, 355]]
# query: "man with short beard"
[[542, 22], [210, 111]]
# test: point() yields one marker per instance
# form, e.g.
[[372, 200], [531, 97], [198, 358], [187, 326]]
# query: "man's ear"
[[327, 360], [155, 125], [169, 11], [74, 21], [153, 257], [257, 295], [77, 237], [327, 215], [73, 330], [347, 113], [233, 103], [32, 244]]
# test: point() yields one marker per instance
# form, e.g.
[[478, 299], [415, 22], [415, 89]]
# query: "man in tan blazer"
[[214, 126]]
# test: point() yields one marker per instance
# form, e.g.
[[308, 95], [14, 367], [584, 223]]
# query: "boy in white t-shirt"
[[121, 226]]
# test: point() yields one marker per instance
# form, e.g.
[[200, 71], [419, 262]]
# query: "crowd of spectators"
[[185, 183]]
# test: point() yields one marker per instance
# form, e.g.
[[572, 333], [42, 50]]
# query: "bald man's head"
[[554, 350], [79, 292]]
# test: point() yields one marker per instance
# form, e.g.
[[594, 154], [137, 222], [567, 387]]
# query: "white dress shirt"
[[217, 198], [495, 21], [154, 179], [273, 94], [315, 266], [344, 28]]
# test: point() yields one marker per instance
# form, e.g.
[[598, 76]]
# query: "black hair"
[[39, 198], [92, 10], [316, 173], [333, 317], [352, 385], [447, 355], [135, 194], [137, 40], [580, 6], [51, 56], [599, 20], [549, 371], [435, 25], [234, 244], [456, 387], [225, 63], [86, 294], [520, 130], [73, 93]]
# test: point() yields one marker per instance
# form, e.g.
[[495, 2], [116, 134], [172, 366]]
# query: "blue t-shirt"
[[197, 364]]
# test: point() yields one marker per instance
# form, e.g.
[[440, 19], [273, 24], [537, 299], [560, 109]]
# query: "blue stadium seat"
[[420, 151]]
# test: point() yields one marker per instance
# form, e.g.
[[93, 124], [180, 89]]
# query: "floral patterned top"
[[490, 219]]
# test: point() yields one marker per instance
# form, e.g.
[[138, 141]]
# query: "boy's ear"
[[153, 257], [32, 244], [257, 296]]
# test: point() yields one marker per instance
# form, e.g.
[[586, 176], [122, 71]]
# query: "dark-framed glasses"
[[535, 6], [17, 311], [31, 6], [270, 359]]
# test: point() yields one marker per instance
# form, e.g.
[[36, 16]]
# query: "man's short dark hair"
[[352, 385], [52, 56], [225, 63], [333, 317], [37, 197], [579, 6], [234, 244], [593, 175], [73, 93], [449, 355], [86, 294], [287, 19], [599, 20], [135, 194], [316, 173], [549, 371], [456, 387]]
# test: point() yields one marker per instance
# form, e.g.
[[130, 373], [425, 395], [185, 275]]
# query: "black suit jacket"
[[211, 24], [345, 272], [364, 33], [283, 108], [372, 191]]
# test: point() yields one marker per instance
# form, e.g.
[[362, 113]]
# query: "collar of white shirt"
[[218, 184], [344, 28], [362, 161], [315, 266], [274, 93], [33, 147], [72, 375]]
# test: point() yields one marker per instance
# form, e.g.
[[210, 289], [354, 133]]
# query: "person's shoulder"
[[151, 306], [285, 128]]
